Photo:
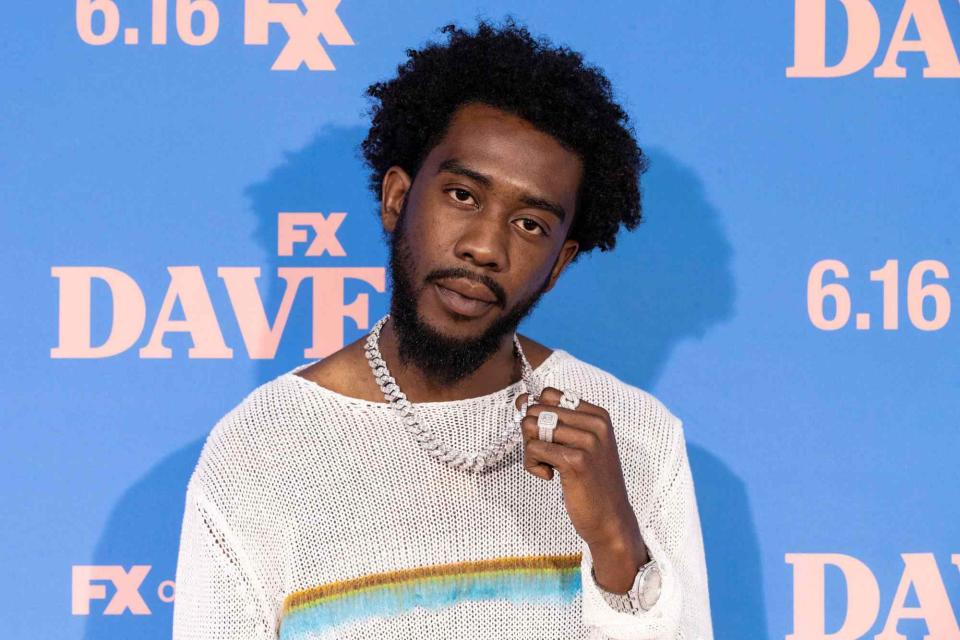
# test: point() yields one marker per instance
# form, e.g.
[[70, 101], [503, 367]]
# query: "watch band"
[[642, 595]]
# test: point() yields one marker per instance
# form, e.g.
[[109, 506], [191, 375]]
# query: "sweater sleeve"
[[217, 596], [673, 537]]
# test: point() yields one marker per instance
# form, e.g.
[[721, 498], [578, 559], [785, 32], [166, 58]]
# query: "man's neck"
[[499, 371]]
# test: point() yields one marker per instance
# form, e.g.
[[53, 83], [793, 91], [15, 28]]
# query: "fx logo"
[[126, 583], [303, 30], [290, 231]]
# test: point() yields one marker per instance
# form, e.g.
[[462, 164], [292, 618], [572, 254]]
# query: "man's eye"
[[460, 195], [536, 225]]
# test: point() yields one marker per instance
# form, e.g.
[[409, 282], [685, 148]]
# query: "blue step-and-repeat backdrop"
[[789, 296]]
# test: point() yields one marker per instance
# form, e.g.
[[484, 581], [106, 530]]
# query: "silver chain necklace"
[[474, 461]]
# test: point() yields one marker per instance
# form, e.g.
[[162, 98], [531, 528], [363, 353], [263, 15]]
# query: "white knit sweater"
[[312, 514]]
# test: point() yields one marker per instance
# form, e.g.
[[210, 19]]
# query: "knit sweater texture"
[[314, 515]]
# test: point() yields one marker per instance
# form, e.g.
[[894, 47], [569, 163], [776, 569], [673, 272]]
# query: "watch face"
[[650, 592]]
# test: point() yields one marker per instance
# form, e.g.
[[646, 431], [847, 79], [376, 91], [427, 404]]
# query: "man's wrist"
[[616, 562]]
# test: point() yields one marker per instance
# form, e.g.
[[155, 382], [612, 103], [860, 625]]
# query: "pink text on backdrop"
[[303, 30], [920, 572], [292, 230], [88, 585], [863, 40], [188, 286]]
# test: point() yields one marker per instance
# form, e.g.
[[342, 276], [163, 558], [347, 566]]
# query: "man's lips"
[[468, 289], [460, 304]]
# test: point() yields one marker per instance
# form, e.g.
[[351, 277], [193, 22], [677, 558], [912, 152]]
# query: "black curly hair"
[[550, 87]]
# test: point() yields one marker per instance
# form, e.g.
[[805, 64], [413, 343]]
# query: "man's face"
[[477, 238]]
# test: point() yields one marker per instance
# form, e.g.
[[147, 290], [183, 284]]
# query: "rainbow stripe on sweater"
[[553, 578]]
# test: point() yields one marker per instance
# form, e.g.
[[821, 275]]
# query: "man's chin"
[[443, 355], [453, 328]]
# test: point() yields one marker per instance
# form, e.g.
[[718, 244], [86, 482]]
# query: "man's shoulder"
[[535, 352], [345, 372], [334, 381], [250, 420]]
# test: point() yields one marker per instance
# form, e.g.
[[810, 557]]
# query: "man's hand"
[[585, 455]]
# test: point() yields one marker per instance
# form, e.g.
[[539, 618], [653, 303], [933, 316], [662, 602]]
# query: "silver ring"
[[569, 400], [546, 423]]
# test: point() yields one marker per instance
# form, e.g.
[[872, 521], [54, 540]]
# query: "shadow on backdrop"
[[683, 287]]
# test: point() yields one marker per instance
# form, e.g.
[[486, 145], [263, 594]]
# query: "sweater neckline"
[[501, 395]]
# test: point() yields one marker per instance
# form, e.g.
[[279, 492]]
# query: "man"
[[443, 477]]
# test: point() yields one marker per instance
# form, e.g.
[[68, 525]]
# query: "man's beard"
[[443, 359]]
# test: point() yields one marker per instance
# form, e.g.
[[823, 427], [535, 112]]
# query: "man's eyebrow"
[[546, 205], [455, 166]]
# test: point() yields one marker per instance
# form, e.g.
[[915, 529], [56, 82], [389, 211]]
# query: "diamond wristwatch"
[[643, 593]]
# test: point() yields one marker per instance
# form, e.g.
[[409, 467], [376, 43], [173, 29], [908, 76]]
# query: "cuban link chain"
[[474, 461]]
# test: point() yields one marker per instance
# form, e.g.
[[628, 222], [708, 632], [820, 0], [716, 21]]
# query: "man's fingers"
[[540, 470], [577, 433], [562, 434], [533, 464], [562, 458], [520, 400], [551, 396], [587, 422]]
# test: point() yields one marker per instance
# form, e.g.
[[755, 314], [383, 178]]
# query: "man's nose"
[[484, 241]]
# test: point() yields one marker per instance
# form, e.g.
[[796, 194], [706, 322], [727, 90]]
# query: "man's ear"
[[567, 252], [393, 191]]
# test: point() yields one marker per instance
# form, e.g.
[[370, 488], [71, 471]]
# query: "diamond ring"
[[546, 423], [569, 400]]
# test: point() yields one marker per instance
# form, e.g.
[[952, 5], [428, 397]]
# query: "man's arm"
[[671, 531], [217, 594]]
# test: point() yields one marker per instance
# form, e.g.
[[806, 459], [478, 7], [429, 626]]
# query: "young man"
[[443, 477]]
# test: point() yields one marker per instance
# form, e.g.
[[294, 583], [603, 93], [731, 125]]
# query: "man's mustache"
[[463, 272]]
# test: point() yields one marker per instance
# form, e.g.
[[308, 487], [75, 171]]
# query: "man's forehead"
[[508, 149]]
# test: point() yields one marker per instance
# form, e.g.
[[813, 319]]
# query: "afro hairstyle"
[[551, 87]]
